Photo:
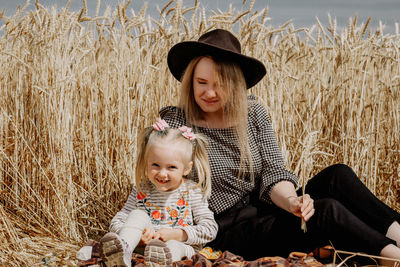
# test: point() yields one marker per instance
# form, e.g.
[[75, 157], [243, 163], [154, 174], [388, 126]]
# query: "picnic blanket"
[[208, 258]]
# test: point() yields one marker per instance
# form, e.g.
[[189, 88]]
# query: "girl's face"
[[166, 166], [205, 88]]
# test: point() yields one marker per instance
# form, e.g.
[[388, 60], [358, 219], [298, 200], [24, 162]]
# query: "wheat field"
[[74, 90]]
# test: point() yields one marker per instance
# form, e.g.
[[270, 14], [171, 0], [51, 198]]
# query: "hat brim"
[[180, 55]]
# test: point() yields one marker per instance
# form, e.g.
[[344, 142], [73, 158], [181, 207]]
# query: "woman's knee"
[[331, 181], [342, 169], [337, 174], [338, 171]]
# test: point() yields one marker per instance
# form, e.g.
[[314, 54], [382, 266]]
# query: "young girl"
[[165, 211]]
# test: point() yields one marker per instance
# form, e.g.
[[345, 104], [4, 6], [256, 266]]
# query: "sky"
[[302, 13]]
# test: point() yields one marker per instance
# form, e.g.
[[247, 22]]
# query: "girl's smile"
[[166, 166]]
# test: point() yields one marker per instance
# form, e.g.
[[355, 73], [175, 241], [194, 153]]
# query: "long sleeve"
[[120, 217], [205, 227], [273, 169]]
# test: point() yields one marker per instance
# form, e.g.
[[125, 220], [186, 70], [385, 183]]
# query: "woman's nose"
[[210, 93]]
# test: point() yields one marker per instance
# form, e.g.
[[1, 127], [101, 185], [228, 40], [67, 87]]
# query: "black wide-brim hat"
[[220, 44]]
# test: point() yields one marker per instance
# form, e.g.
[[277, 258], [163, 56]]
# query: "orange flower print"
[[181, 222], [181, 202], [173, 213], [141, 196], [156, 214]]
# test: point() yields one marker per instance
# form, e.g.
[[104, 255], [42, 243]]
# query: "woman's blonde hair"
[[194, 150], [232, 87]]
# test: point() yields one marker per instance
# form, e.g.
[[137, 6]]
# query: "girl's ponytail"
[[140, 172]]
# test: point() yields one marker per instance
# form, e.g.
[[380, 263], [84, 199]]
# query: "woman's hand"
[[283, 194], [302, 206], [172, 234], [148, 234]]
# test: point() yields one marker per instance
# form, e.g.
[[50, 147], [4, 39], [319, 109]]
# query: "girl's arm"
[[166, 234], [120, 218], [205, 227]]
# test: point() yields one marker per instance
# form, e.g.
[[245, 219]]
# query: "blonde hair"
[[232, 87], [195, 151]]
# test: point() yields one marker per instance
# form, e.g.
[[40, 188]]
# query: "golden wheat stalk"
[[75, 90]]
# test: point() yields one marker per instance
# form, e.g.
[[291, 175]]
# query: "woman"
[[253, 195]]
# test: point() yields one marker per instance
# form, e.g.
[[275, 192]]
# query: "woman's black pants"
[[347, 215]]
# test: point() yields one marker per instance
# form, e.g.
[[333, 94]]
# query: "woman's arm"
[[277, 183], [283, 194], [262, 135]]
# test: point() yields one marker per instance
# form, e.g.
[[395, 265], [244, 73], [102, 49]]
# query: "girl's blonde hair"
[[232, 87], [195, 151]]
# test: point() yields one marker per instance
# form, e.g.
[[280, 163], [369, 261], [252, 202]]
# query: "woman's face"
[[205, 88]]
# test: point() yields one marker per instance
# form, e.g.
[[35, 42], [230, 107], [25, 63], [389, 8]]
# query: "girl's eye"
[[154, 165], [172, 167]]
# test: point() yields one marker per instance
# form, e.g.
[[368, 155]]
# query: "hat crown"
[[221, 39], [221, 45]]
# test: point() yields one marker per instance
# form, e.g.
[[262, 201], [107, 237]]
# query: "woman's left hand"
[[302, 206]]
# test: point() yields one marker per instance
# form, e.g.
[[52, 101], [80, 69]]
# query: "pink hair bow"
[[187, 133], [160, 125]]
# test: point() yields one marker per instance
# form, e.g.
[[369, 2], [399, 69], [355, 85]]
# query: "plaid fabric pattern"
[[223, 153], [226, 259]]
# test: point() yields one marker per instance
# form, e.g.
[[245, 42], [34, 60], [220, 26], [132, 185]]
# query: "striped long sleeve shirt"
[[184, 208]]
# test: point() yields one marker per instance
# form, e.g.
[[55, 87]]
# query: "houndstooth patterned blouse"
[[223, 153]]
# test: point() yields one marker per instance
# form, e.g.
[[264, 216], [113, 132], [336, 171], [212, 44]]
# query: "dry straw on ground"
[[75, 89]]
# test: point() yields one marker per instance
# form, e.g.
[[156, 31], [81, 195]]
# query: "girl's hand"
[[302, 206], [172, 234], [148, 234]]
